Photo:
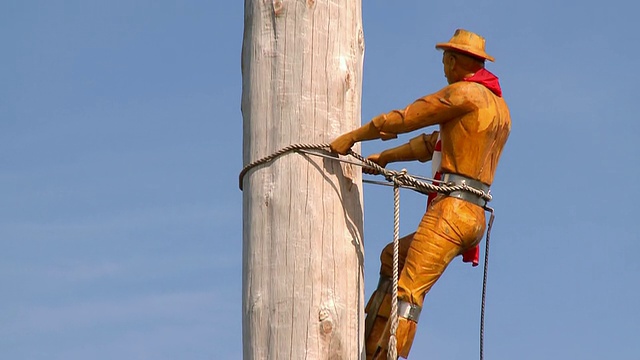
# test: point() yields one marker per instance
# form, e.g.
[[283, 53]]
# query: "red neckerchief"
[[486, 78]]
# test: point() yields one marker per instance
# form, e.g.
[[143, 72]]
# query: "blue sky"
[[121, 142]]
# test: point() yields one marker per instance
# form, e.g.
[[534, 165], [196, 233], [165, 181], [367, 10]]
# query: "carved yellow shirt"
[[474, 126]]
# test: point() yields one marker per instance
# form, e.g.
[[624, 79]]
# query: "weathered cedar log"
[[302, 215]]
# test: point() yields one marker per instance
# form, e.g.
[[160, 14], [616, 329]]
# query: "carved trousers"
[[448, 228]]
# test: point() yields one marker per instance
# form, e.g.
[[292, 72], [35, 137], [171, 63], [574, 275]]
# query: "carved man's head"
[[463, 54]]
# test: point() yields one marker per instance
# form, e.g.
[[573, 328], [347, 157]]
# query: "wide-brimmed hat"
[[468, 43]]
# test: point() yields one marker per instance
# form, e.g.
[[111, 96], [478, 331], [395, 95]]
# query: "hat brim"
[[465, 50]]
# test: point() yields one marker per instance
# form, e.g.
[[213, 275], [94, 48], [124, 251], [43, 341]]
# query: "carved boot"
[[378, 309], [408, 315], [379, 305]]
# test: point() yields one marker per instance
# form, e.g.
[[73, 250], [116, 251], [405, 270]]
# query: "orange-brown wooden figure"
[[474, 124]]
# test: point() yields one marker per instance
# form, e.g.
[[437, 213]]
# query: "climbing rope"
[[397, 179], [484, 281], [401, 177], [392, 353], [284, 150]]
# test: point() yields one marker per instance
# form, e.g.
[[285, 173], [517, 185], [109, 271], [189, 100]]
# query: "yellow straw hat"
[[466, 42]]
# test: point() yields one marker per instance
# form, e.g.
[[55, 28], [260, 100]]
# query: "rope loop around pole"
[[284, 150], [402, 178]]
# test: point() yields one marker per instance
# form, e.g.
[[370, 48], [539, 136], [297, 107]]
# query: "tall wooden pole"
[[302, 215]]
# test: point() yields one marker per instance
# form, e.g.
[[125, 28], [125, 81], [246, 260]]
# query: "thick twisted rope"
[[401, 177], [406, 180], [392, 353], [278, 153]]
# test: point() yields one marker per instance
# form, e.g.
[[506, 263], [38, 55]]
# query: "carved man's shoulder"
[[463, 94]]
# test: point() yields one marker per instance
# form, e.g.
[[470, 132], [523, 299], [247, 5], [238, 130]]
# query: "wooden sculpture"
[[474, 124]]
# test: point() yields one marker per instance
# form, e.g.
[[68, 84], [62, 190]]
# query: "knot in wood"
[[326, 323], [277, 7]]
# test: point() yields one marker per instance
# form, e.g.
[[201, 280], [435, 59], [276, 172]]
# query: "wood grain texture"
[[302, 216]]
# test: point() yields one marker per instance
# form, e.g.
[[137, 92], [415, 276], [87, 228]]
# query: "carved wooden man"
[[474, 124]]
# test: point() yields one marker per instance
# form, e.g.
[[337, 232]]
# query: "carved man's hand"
[[342, 144], [376, 159]]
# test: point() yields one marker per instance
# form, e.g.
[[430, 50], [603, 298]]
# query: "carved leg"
[[404, 335], [379, 321], [375, 310], [379, 306], [449, 227]]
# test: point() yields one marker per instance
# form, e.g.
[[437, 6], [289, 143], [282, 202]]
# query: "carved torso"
[[474, 127], [472, 143]]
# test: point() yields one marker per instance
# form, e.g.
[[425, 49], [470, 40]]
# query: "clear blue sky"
[[121, 142]]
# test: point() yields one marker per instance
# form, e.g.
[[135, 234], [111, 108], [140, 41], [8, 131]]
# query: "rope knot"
[[396, 177]]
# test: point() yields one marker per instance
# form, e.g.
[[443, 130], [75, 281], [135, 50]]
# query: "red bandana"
[[486, 78]]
